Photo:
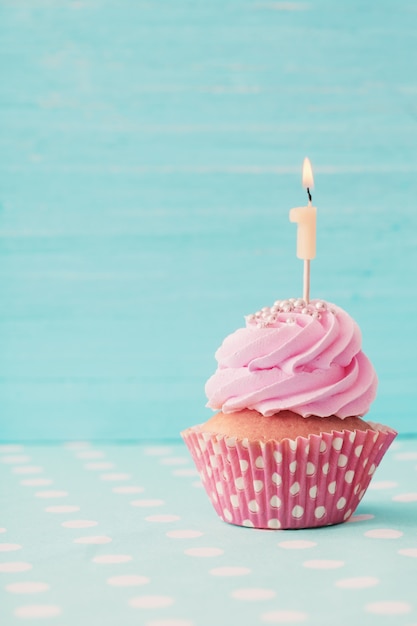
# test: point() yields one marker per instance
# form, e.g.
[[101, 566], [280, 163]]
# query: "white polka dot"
[[258, 485], [38, 611], [51, 494], [313, 491], [253, 594], [253, 506], [243, 465], [36, 482], [297, 544], [64, 508], [388, 607], [27, 587], [219, 487], [230, 571], [337, 443], [90, 454], [276, 479], [298, 511], [382, 484], [115, 476], [277, 456], [331, 487], [248, 523], [79, 523], [361, 517], [162, 518], [259, 462], [175, 460], [349, 476], [274, 523], [157, 450], [204, 552], [360, 582], [325, 468], [13, 459], [405, 456], [9, 547], [128, 489], [347, 514], [15, 566], [293, 467], [94, 539], [341, 503], [227, 515], [405, 497], [342, 460], [239, 483], [294, 489], [283, 617], [112, 558], [184, 534], [371, 469], [234, 501], [311, 468], [96, 466], [383, 533], [185, 471], [408, 552], [319, 512], [323, 564], [275, 502], [147, 503], [358, 450], [151, 602], [27, 469], [293, 444], [323, 446], [127, 580]]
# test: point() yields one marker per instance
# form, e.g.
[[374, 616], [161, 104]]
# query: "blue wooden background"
[[149, 155]]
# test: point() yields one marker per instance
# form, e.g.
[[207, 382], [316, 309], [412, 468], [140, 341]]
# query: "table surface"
[[94, 533]]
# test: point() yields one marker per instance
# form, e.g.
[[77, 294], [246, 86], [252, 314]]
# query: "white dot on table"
[[297, 544], [230, 570], [77, 445], [147, 503], [90, 454], [9, 547], [360, 582], [127, 580], [162, 518], [98, 465], [51, 494], [204, 552], [115, 476], [105, 559], [361, 517], [405, 456], [175, 460], [408, 552], [36, 482], [151, 602], [27, 469], [197, 483], [405, 497], [10, 448], [184, 534], [27, 587], [3, 530], [15, 566], [79, 523], [94, 539], [185, 471], [128, 489], [170, 622], [157, 450], [382, 484], [253, 594], [62, 508], [283, 617], [12, 459], [383, 533], [323, 564], [386, 607], [38, 611]]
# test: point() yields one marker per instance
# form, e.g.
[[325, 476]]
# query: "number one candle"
[[305, 217]]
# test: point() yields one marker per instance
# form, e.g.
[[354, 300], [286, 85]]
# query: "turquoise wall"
[[149, 155]]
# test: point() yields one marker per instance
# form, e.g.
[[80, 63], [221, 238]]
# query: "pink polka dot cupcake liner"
[[303, 483]]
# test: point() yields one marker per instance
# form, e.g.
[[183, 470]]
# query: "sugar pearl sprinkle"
[[285, 310]]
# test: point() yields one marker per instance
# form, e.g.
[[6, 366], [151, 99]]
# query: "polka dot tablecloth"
[[110, 534]]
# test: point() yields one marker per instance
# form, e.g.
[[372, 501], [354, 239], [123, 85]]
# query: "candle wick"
[[309, 194]]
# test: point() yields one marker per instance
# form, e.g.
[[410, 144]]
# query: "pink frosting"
[[308, 362]]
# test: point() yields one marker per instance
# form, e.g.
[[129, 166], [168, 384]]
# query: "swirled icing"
[[309, 363]]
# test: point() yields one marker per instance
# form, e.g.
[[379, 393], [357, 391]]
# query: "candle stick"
[[305, 217]]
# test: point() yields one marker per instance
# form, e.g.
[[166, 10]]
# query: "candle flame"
[[308, 180]]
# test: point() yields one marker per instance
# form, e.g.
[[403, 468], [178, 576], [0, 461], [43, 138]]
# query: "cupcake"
[[288, 447]]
